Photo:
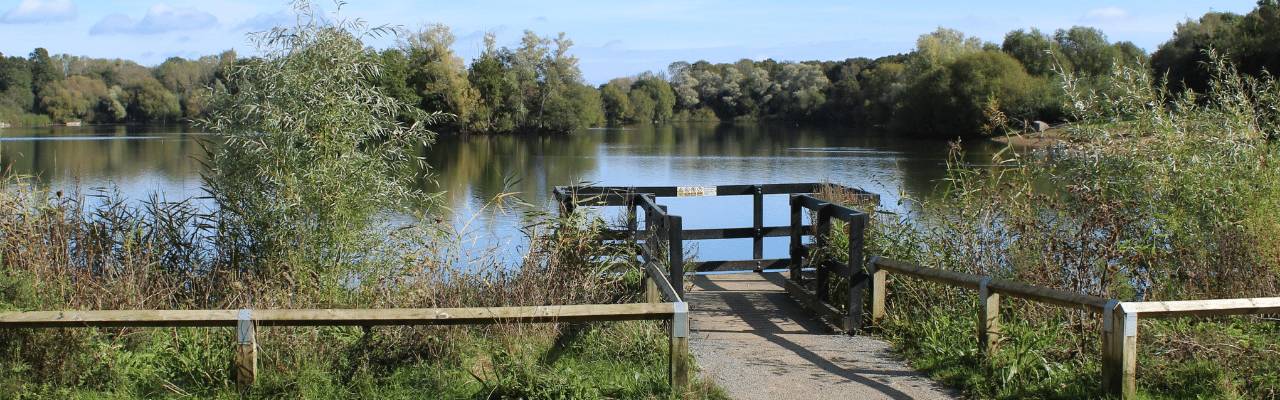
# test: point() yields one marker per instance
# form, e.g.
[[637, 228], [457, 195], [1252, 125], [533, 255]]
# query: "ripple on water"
[[843, 150]]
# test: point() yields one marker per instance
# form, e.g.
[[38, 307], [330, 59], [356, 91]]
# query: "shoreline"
[[1036, 140]]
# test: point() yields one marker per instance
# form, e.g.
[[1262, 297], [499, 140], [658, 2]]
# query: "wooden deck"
[[755, 342]]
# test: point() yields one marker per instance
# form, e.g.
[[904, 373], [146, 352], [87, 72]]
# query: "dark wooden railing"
[[819, 298], [630, 197]]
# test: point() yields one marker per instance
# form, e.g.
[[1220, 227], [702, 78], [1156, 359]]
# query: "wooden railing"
[[659, 286], [1119, 319], [818, 300], [247, 321], [1122, 336], [570, 198]]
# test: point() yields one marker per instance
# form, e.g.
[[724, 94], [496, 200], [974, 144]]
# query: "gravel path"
[[755, 342]]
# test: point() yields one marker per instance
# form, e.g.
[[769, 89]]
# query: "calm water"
[[164, 160]]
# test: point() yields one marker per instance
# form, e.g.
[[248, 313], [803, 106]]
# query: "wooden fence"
[[1119, 319], [660, 254], [644, 198], [247, 321]]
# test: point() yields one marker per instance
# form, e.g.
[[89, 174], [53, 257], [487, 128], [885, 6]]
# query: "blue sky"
[[612, 38]]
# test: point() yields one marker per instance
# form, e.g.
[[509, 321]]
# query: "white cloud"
[[266, 21], [33, 11], [1106, 13], [160, 18]]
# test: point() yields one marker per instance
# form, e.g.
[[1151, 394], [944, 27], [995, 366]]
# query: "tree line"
[[40, 89], [950, 85]]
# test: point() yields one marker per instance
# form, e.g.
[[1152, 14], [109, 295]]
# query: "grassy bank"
[[1153, 197]]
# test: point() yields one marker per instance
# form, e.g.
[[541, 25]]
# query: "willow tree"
[[313, 151]]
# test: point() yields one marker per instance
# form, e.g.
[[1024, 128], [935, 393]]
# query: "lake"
[[140, 161]]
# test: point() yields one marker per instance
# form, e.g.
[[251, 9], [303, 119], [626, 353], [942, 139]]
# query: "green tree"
[[528, 64], [148, 100], [684, 84], [189, 80], [972, 95], [1034, 49], [940, 47], [394, 76], [1257, 37], [1247, 41], [576, 107], [643, 106], [495, 82], [756, 86], [43, 72], [659, 93], [15, 85], [883, 86], [802, 90], [561, 84], [617, 105], [180, 75], [1130, 54], [1086, 50], [78, 98], [844, 96], [439, 77]]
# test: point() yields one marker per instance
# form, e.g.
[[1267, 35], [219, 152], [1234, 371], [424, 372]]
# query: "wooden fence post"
[[757, 213], [649, 233], [566, 201], [650, 287], [246, 358], [879, 284], [857, 274], [1120, 351], [632, 224], [988, 318], [679, 363], [675, 233], [797, 245], [823, 234]]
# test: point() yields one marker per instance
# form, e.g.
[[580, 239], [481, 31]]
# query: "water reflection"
[[475, 169], [471, 170], [138, 159]]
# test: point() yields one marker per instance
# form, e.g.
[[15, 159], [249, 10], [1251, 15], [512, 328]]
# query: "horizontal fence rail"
[[1119, 319], [246, 321], [1205, 308], [337, 317], [1058, 297]]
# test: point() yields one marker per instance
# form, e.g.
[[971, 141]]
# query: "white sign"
[[695, 191]]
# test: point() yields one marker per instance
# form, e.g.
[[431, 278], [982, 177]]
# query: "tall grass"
[[58, 252], [1153, 196]]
